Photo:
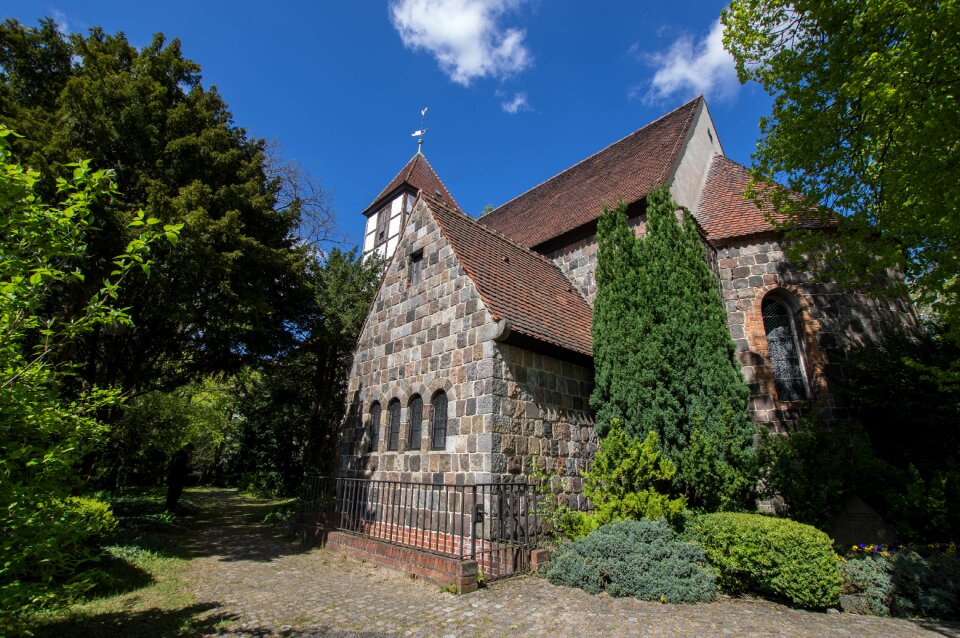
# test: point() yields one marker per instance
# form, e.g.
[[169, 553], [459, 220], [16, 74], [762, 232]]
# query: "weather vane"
[[423, 130]]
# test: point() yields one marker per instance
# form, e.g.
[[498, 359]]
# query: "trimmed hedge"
[[643, 559], [770, 556]]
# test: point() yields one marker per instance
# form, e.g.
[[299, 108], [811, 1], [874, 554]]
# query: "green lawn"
[[147, 595]]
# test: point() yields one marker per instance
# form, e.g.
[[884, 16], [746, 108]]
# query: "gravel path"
[[263, 584]]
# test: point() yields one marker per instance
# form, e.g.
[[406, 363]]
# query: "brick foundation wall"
[[442, 570]]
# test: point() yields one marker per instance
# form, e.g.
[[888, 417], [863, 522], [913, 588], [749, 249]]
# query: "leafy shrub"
[[643, 559], [926, 586], [629, 479], [262, 484], [770, 556], [47, 551], [869, 576], [908, 581], [626, 479], [814, 467], [281, 514]]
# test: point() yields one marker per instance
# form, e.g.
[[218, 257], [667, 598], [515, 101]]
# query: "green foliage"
[[291, 410], [905, 583], [865, 123], [156, 424], [770, 556], [814, 467], [48, 551], [223, 293], [263, 484], [642, 559], [926, 586], [630, 478], [869, 577], [47, 423], [663, 355], [892, 386]]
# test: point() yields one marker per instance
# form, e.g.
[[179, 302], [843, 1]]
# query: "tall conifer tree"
[[663, 354]]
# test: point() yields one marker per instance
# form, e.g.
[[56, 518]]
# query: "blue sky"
[[517, 90]]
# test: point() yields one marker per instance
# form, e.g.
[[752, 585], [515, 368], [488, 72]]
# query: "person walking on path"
[[177, 473]]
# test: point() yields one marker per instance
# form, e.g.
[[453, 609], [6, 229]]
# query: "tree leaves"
[[866, 123]]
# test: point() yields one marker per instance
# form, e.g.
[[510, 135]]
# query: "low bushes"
[[904, 582], [770, 556], [45, 552], [643, 559]]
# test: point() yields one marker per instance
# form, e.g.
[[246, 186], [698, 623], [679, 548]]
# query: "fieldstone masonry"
[[509, 409], [419, 339], [829, 320]]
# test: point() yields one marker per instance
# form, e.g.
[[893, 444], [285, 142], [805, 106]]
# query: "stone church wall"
[[578, 260], [830, 320], [542, 420], [419, 339]]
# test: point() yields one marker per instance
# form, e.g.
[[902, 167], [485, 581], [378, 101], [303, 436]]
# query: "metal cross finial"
[[423, 130]]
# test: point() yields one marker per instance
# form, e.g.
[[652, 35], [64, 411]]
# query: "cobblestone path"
[[265, 585]]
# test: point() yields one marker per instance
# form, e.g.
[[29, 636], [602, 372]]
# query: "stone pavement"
[[263, 584]]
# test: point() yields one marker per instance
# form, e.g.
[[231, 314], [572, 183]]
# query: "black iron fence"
[[492, 523]]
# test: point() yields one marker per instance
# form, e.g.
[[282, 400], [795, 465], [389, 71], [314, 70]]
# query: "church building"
[[475, 361]]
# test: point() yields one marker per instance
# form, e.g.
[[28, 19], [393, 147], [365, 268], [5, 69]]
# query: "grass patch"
[[144, 594]]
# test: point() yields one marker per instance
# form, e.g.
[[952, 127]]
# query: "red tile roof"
[[628, 169], [420, 175], [724, 212], [516, 283]]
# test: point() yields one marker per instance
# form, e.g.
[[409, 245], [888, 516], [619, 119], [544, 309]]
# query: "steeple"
[[387, 214]]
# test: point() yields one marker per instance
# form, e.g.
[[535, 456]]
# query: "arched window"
[[374, 426], [393, 441], [784, 347], [415, 411], [438, 407]]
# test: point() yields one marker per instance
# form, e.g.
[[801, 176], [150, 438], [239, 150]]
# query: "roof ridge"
[[602, 150], [500, 235], [439, 179]]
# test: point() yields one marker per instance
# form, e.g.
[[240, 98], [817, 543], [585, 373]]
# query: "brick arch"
[[809, 329]]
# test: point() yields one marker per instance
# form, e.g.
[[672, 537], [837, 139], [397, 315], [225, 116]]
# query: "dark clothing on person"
[[177, 474]]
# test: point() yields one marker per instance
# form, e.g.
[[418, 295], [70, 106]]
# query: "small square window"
[[416, 266]]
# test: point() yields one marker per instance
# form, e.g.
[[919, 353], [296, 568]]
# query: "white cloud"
[[60, 20], [517, 104], [466, 37], [690, 67]]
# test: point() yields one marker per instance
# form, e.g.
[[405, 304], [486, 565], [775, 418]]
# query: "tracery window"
[[438, 408], [393, 441], [415, 410], [784, 347]]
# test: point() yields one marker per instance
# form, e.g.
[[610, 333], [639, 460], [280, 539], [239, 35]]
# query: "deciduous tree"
[[865, 123]]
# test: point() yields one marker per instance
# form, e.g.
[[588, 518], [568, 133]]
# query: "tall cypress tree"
[[664, 357]]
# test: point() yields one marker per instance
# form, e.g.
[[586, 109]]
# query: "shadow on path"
[[192, 620], [227, 526]]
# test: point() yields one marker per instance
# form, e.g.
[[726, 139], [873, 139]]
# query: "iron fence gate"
[[492, 523]]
